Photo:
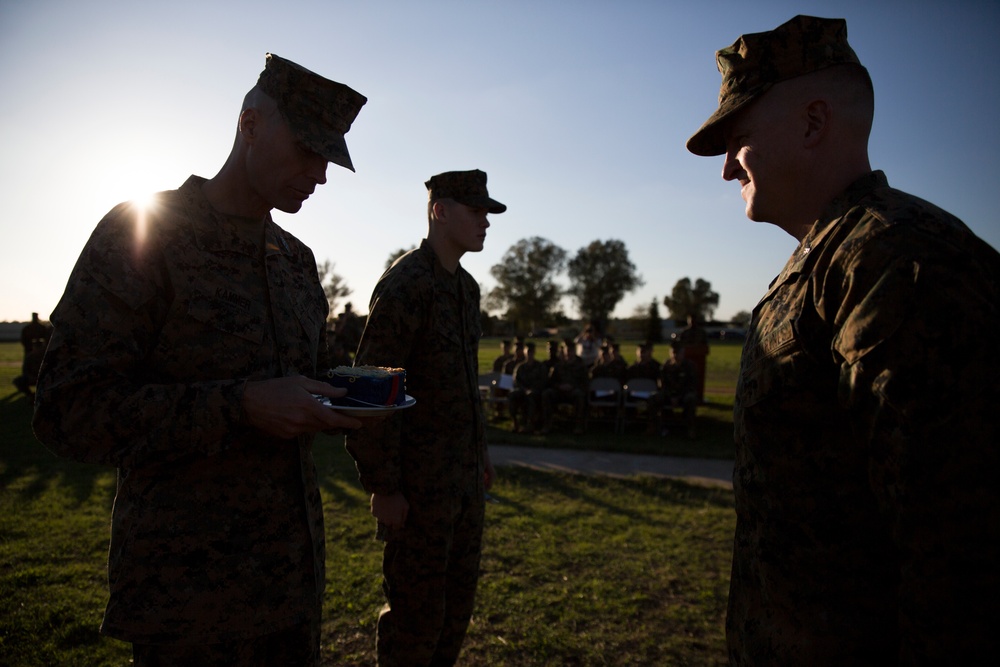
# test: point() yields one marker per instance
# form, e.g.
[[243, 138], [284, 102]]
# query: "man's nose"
[[730, 167], [317, 170]]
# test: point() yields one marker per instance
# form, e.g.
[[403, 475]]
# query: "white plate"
[[366, 411]]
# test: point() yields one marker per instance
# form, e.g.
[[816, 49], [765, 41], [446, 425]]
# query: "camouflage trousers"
[[430, 570], [297, 646]]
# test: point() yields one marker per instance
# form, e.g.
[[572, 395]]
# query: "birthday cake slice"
[[375, 386]]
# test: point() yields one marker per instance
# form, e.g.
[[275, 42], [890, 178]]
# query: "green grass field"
[[576, 570]]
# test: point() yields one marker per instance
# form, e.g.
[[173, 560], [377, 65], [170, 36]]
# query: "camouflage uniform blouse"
[[866, 444], [217, 531], [426, 320]]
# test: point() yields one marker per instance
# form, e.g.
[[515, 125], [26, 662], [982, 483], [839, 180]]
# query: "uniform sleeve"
[[918, 376], [395, 315], [94, 402]]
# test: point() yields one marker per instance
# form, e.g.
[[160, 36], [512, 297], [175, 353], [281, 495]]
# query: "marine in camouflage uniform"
[[611, 365], [678, 388], [695, 341], [525, 401], [427, 467], [866, 408], [568, 383], [176, 318], [645, 366]]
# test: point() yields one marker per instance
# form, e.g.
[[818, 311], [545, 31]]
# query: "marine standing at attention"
[[428, 468], [868, 509], [182, 354]]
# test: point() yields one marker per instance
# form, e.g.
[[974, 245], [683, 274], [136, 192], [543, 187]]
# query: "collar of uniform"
[[215, 231], [442, 275], [828, 221], [839, 207]]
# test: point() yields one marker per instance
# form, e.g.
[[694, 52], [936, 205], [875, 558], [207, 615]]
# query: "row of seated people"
[[536, 388]]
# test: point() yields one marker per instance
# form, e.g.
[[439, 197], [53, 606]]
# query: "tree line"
[[600, 274]]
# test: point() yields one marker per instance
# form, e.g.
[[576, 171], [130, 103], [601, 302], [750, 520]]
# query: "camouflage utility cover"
[[465, 187], [868, 516], [319, 111], [757, 61], [217, 530]]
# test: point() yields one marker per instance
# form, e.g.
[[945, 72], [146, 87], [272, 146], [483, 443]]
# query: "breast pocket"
[[772, 365], [228, 312], [211, 334]]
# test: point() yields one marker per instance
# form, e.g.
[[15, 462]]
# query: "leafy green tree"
[[698, 301], [600, 275], [333, 285], [526, 287]]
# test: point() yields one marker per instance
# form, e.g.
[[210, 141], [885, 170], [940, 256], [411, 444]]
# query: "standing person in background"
[[182, 354], [588, 345], [34, 337], [695, 341], [428, 469], [34, 332], [348, 328], [868, 511]]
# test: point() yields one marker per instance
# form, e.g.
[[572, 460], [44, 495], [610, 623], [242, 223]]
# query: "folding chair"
[[486, 381], [636, 395], [604, 394]]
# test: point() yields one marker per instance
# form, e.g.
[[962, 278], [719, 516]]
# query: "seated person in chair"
[[678, 389], [568, 383], [525, 401]]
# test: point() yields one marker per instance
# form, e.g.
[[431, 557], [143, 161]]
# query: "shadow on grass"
[[26, 462], [714, 436], [592, 493], [338, 478]]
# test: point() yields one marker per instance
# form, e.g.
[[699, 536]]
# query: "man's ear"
[[818, 115], [248, 125], [440, 210]]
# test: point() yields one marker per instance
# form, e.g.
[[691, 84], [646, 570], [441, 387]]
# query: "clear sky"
[[578, 110]]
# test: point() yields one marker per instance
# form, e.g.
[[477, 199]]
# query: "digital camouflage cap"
[[757, 61], [319, 111], [465, 187]]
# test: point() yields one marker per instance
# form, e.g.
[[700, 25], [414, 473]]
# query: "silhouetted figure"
[[29, 368], [568, 383], [865, 415], [34, 331], [348, 329], [678, 387], [695, 342]]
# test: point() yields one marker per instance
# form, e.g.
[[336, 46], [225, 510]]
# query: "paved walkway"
[[712, 472]]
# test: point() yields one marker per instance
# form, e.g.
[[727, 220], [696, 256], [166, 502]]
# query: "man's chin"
[[289, 207]]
